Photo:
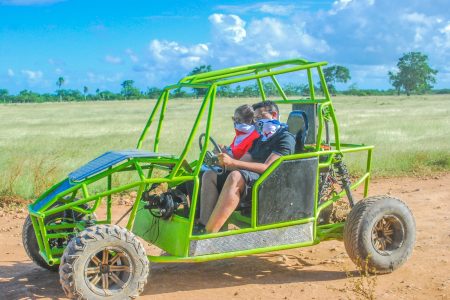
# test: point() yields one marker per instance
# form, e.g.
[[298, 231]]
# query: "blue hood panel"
[[107, 160]]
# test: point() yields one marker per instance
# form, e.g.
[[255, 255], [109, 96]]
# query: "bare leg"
[[208, 195], [228, 201]]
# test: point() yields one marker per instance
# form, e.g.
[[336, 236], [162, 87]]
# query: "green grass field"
[[41, 143]]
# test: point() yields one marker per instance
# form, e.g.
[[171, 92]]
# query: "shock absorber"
[[344, 178]]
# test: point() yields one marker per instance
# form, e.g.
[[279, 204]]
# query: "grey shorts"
[[249, 178]]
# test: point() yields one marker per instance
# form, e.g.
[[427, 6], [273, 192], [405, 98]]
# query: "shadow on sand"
[[19, 280], [262, 269]]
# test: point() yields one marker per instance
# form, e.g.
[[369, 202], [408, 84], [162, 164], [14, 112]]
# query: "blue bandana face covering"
[[267, 127]]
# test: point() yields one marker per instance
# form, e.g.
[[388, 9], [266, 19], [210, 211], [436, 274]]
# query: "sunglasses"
[[262, 115]]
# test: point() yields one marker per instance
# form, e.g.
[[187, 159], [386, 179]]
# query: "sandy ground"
[[320, 272]]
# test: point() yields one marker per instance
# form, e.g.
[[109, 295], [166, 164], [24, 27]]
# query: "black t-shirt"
[[281, 143]]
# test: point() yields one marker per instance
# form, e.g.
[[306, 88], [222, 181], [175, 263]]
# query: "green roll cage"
[[178, 230]]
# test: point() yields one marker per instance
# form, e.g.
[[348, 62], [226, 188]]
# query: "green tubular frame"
[[179, 170]]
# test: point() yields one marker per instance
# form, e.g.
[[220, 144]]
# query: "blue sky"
[[99, 44]]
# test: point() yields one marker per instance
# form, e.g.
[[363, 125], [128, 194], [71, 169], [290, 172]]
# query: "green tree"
[[198, 70], [335, 74], [85, 91], [237, 91], [224, 91], [59, 83], [292, 90], [26, 96], [179, 93], [72, 95], [250, 91], [414, 74], [108, 95], [3, 94], [129, 91], [153, 92], [270, 89], [394, 79]]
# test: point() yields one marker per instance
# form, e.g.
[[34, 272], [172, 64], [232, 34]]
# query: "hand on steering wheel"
[[211, 160]]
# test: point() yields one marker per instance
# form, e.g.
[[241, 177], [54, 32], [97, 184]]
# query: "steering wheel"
[[211, 161]]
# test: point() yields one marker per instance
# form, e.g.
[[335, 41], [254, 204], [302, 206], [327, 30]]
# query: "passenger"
[[246, 134], [221, 194], [245, 131]]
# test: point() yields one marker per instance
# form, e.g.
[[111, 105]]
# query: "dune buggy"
[[292, 202]]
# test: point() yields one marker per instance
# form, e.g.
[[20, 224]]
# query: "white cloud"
[[228, 27], [442, 41], [113, 59], [167, 52], [266, 39], [133, 57], [276, 9], [368, 36], [168, 61], [10, 73], [32, 75], [234, 42], [339, 5], [419, 18], [446, 29]]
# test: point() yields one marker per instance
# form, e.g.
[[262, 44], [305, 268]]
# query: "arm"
[[246, 162], [247, 157]]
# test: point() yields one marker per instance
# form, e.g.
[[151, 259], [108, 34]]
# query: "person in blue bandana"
[[233, 187]]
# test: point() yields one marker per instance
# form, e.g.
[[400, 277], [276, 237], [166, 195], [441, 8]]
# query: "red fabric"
[[239, 150]]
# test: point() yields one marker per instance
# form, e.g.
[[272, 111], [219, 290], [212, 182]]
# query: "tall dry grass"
[[41, 143]]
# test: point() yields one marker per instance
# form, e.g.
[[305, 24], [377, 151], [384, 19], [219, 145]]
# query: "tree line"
[[414, 76]]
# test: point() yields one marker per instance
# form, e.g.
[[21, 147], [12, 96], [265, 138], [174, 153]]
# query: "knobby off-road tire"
[[379, 234], [104, 261], [31, 246]]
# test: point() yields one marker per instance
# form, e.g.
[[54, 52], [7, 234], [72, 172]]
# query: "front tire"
[[104, 261], [379, 234]]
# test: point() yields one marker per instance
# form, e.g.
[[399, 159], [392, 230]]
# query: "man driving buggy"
[[222, 194]]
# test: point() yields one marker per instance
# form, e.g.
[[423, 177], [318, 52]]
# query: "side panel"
[[253, 240], [288, 193], [168, 235]]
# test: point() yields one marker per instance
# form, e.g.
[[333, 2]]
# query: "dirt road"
[[320, 272]]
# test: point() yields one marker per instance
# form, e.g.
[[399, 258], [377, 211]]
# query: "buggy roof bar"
[[259, 70]]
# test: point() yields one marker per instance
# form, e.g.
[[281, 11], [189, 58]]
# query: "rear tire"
[[104, 261], [31, 246], [29, 237], [379, 234]]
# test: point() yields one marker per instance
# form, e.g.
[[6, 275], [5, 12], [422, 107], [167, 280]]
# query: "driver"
[[236, 183]]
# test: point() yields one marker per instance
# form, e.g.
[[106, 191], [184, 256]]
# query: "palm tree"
[[59, 83], [85, 91]]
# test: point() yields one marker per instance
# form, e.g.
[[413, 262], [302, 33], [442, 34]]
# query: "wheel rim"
[[388, 234], [108, 271]]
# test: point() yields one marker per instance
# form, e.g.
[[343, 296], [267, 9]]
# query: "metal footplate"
[[251, 240]]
